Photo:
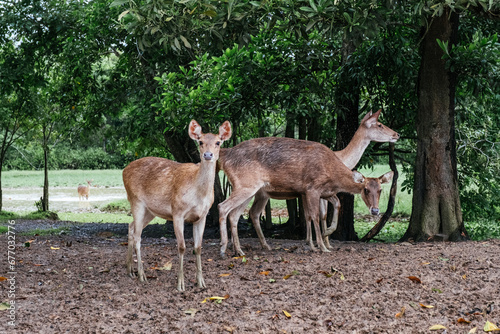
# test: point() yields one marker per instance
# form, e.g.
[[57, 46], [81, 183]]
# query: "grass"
[[62, 178]]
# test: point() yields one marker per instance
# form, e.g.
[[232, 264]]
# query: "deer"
[[84, 191], [179, 192], [370, 129]]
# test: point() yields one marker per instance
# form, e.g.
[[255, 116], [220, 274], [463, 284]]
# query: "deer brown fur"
[[179, 192], [284, 168], [369, 130]]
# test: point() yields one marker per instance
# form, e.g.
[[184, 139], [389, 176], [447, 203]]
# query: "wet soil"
[[76, 282]]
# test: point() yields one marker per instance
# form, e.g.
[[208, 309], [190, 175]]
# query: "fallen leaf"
[[437, 327], [4, 306], [54, 248], [463, 321], [191, 311], [379, 280], [124, 243], [415, 279], [287, 276], [272, 280], [216, 298], [425, 263], [166, 266], [426, 306], [464, 276], [490, 327], [264, 272], [327, 274], [473, 330], [3, 278], [400, 314], [443, 259], [224, 275], [219, 298], [335, 271], [288, 315]]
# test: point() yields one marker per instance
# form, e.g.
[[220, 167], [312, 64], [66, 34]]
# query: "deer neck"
[[205, 176], [352, 153]]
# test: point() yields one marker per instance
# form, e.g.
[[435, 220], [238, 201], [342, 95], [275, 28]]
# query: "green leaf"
[[117, 3]]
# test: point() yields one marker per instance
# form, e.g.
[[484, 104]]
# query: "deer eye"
[[217, 143], [380, 125], [201, 143], [366, 191]]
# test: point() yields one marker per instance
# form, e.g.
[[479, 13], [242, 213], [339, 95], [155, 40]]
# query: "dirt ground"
[[76, 282]]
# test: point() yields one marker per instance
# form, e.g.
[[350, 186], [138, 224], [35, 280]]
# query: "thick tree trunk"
[[347, 101], [1, 191], [436, 211]]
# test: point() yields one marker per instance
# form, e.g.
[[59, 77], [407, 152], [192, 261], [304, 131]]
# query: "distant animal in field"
[[84, 191]]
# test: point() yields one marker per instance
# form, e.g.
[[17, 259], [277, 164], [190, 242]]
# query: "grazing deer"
[[369, 130], [84, 191], [180, 192]]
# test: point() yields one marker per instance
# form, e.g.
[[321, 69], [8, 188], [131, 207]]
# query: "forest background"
[[94, 85]]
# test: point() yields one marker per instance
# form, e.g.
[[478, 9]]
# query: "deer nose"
[[374, 211], [208, 155]]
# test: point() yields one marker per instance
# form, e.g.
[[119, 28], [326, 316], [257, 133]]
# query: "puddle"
[[60, 199]]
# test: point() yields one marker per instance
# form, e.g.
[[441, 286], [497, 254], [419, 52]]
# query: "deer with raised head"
[[84, 191], [369, 130], [179, 192]]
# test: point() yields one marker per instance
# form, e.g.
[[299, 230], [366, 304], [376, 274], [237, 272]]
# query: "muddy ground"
[[75, 282]]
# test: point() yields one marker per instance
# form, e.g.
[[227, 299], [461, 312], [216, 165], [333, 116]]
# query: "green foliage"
[[483, 229], [392, 231], [122, 206], [64, 157]]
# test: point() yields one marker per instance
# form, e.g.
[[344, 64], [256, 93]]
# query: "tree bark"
[[347, 101], [45, 198], [436, 210]]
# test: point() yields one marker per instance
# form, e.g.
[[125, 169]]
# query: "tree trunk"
[[1, 191], [45, 198], [291, 204], [347, 101], [436, 208]]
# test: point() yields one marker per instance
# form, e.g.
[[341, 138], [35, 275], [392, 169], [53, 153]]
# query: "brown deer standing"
[[369, 130], [84, 191], [180, 192]]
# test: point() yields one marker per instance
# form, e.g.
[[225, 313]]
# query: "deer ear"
[[194, 130], [358, 177], [373, 119], [225, 131], [368, 115], [387, 177]]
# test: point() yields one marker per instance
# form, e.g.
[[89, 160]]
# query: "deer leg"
[[237, 198], [311, 212], [259, 203], [198, 229], [142, 217], [336, 207], [234, 217], [323, 213], [307, 217], [181, 248]]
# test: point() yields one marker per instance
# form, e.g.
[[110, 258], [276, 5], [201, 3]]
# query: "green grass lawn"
[[62, 178]]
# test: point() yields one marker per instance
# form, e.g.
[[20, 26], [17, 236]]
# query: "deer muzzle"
[[208, 155]]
